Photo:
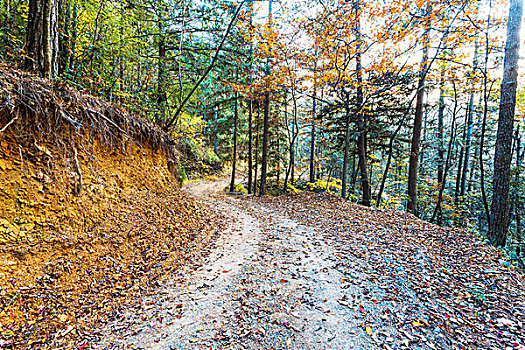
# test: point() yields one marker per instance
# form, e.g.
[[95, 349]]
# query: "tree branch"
[[181, 106]]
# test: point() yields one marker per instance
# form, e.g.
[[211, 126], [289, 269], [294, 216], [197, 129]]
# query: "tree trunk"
[[50, 39], [215, 122], [416, 134], [441, 151], [256, 148], [347, 145], [42, 38], [266, 120], [312, 139], [486, 94], [291, 145], [64, 41], [361, 122], [250, 113], [460, 164], [517, 207], [266, 128], [481, 150], [475, 148], [502, 155], [295, 132], [353, 179], [421, 169], [277, 155], [470, 123], [234, 160], [437, 209], [250, 151]]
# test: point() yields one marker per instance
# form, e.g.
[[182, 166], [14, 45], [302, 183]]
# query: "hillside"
[[91, 213]]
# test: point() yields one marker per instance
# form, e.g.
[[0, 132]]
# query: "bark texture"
[[42, 38], [416, 135], [503, 155]]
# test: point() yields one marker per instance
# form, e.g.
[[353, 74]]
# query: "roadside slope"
[[91, 214]]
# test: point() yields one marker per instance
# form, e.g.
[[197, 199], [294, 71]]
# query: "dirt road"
[[316, 272], [270, 283]]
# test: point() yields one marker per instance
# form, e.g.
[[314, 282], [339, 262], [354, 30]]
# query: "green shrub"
[[182, 175]]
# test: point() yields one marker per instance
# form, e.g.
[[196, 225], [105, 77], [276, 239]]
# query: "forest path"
[[270, 283], [313, 271]]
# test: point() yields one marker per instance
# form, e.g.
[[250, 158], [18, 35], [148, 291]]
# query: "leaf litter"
[[120, 263], [437, 287], [313, 272], [310, 271]]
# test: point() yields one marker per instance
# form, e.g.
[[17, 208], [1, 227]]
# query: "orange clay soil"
[[86, 225]]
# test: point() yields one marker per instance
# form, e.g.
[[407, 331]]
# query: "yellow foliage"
[[329, 185]]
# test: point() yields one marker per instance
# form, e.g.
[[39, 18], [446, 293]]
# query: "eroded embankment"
[[91, 215]]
